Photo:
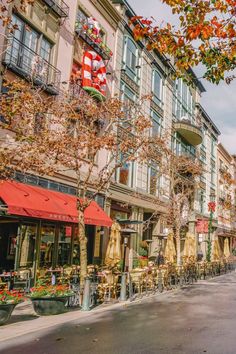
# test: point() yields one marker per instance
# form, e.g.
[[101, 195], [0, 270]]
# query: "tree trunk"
[[178, 250], [83, 248]]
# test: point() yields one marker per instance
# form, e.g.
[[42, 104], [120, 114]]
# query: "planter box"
[[5, 312], [50, 305]]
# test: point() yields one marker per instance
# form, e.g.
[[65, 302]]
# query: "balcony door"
[[24, 45], [29, 51]]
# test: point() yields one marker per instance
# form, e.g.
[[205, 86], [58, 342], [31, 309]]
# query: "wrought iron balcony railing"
[[59, 7], [86, 31], [27, 63]]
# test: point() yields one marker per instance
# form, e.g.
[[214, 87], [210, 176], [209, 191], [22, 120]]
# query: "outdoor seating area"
[[106, 283]]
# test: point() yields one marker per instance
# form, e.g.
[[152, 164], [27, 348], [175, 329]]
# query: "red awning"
[[25, 200]]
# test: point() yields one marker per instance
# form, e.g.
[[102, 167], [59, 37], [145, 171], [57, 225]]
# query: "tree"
[[5, 19], [206, 35], [184, 173], [181, 174], [47, 136]]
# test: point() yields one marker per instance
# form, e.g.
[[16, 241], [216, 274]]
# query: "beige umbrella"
[[113, 253], [170, 251], [216, 253], [190, 249], [226, 248]]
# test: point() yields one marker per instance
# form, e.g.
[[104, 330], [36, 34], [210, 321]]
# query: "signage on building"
[[202, 226]]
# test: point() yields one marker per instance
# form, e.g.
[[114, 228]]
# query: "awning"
[[36, 202]]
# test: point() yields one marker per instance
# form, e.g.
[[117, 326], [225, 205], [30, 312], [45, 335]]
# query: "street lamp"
[[211, 209], [128, 232]]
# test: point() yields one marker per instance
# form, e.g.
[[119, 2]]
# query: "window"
[[45, 50], [64, 245], [128, 97], [213, 146], [154, 180], [156, 123], [125, 174], [47, 246], [183, 103], [127, 94], [182, 147], [130, 59], [27, 245], [213, 173], [28, 48], [157, 87], [202, 201]]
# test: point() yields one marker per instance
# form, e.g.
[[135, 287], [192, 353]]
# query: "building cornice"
[[208, 119], [108, 10]]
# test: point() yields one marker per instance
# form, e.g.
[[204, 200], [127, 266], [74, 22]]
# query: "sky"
[[220, 100]]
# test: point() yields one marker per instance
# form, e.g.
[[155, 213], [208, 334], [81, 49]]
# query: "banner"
[[202, 226]]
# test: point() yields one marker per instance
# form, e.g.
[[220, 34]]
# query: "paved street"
[[197, 319]]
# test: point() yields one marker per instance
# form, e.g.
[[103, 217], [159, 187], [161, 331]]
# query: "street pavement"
[[196, 319]]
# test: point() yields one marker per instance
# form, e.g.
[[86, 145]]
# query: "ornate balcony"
[[59, 7], [190, 132], [90, 34], [28, 64]]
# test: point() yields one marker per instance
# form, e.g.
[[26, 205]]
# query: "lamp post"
[[211, 209], [126, 240], [123, 291]]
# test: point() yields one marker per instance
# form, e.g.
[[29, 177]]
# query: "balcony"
[[86, 30], [190, 132], [59, 7], [28, 64]]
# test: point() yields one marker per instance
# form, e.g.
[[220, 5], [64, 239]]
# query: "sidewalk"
[[24, 320]]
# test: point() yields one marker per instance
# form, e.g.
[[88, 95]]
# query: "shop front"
[[38, 228]]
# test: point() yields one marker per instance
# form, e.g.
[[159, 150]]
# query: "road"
[[197, 319]]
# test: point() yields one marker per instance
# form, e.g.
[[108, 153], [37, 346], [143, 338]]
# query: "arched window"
[[130, 59]]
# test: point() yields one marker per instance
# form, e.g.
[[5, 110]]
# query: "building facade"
[[48, 48], [52, 46], [225, 197]]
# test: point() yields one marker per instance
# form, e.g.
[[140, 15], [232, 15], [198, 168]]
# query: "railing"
[[27, 63], [85, 30], [59, 7], [106, 286]]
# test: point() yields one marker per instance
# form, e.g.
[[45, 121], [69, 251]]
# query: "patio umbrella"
[[113, 253], [216, 253], [190, 246], [226, 248], [170, 251]]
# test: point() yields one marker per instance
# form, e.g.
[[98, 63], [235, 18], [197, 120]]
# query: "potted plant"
[[8, 301], [50, 299], [143, 259]]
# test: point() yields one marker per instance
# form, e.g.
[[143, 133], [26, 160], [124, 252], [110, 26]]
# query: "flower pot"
[[47, 306], [5, 312]]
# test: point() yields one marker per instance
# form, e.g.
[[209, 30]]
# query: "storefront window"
[[27, 245], [47, 245], [64, 245]]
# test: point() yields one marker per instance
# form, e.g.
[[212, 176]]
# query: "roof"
[[208, 119]]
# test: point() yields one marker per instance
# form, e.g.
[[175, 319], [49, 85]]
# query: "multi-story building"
[[172, 108], [48, 48], [225, 197], [208, 186]]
